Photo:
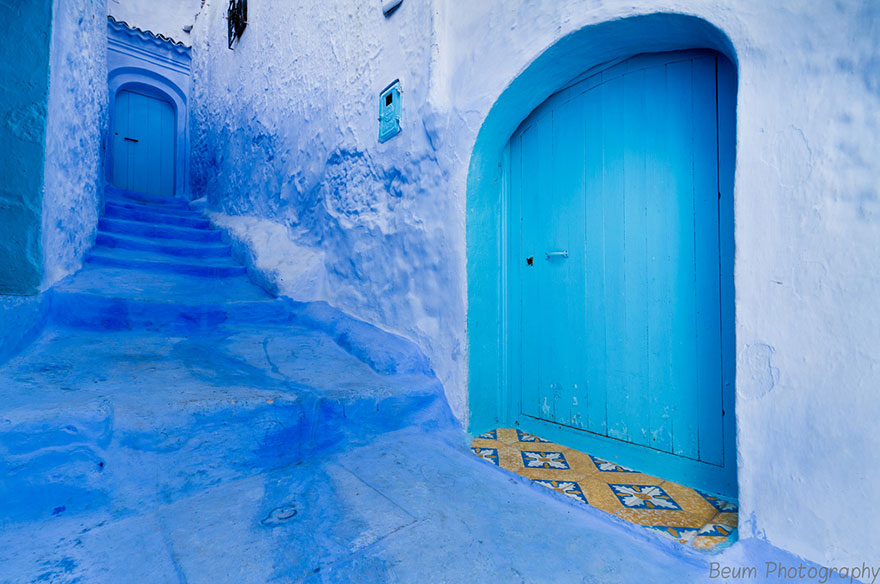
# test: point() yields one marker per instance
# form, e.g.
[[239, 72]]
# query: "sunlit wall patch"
[[390, 108]]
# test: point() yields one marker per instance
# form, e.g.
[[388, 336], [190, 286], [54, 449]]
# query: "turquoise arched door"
[[622, 247], [143, 144]]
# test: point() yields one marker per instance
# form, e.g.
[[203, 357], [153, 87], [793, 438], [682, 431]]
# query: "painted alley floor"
[[688, 516], [175, 424], [271, 455]]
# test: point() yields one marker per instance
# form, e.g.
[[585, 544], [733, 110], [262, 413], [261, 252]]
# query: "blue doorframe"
[[491, 400]]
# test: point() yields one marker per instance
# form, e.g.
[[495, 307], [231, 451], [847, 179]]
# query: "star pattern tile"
[[692, 517]]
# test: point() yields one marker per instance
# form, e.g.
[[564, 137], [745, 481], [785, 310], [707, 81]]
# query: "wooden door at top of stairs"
[[143, 144], [625, 273]]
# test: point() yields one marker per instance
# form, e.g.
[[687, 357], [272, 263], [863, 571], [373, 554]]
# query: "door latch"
[[556, 254]]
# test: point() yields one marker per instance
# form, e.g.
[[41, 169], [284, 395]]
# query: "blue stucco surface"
[[24, 68]]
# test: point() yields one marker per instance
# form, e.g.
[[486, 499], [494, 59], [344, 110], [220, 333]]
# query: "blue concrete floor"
[[169, 427]]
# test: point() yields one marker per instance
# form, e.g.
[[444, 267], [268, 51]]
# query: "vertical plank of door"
[[614, 184], [679, 147], [636, 413], [152, 133], [594, 263], [137, 165], [726, 168], [707, 257], [511, 393], [132, 150], [567, 175], [547, 304], [661, 205], [120, 144], [166, 150], [531, 332]]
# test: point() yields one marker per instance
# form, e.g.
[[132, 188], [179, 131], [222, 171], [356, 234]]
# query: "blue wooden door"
[[625, 256], [143, 144]]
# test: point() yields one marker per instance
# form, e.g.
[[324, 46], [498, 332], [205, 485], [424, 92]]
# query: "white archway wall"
[[807, 215], [138, 59]]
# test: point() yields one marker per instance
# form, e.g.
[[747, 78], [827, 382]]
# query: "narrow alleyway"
[[174, 423]]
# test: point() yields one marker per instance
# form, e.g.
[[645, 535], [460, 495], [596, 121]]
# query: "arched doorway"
[[149, 81], [615, 283]]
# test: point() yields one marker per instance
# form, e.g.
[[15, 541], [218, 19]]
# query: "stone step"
[[183, 289], [156, 262], [176, 248], [116, 194], [90, 310], [149, 216], [137, 228], [151, 208]]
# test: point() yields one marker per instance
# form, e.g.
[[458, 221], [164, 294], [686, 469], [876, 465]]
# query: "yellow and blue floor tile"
[[687, 515]]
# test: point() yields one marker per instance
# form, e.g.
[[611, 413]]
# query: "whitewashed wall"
[[285, 132], [165, 17], [75, 130]]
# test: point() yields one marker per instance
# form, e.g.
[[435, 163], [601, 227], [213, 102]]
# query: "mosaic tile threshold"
[[686, 515]]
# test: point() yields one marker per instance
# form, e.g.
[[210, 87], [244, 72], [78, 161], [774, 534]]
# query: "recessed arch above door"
[[617, 337]]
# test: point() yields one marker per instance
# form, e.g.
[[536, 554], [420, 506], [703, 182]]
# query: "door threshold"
[[689, 516]]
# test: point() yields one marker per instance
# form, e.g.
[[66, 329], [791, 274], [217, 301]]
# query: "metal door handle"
[[131, 139], [556, 254]]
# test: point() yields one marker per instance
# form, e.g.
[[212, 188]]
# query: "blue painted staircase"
[[150, 233], [158, 264]]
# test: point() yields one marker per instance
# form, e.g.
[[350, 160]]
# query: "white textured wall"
[[75, 130], [165, 17], [284, 130]]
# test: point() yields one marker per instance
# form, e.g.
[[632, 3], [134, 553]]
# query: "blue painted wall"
[[24, 69]]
